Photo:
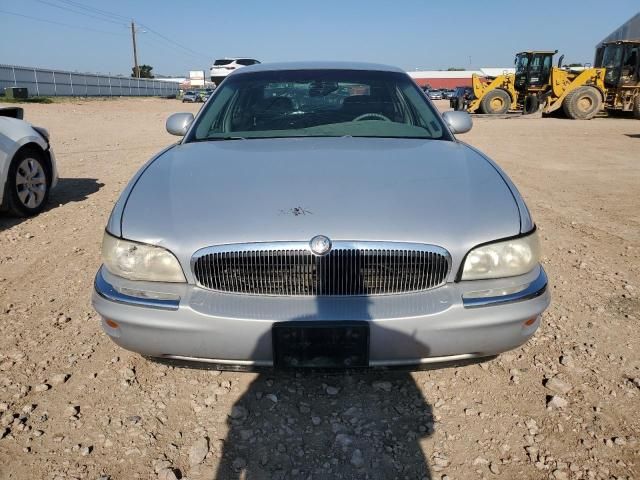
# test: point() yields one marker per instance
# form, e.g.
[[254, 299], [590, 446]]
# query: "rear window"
[[222, 62], [246, 61]]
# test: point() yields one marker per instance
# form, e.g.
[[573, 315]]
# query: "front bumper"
[[54, 168], [185, 322]]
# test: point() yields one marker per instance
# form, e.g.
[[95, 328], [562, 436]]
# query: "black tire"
[[459, 104], [496, 102], [636, 107], [583, 103], [531, 104], [13, 192]]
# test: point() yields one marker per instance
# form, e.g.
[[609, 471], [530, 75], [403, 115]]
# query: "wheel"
[[28, 182], [496, 102], [459, 104], [636, 107], [531, 104], [582, 104]]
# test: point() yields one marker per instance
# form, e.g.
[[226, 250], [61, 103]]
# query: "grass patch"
[[67, 99], [27, 100]]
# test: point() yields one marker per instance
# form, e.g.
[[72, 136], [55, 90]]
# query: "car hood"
[[212, 193]]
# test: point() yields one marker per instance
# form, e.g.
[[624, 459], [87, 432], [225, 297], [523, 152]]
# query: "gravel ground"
[[564, 406]]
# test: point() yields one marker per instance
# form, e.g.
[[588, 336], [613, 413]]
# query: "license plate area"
[[309, 344]]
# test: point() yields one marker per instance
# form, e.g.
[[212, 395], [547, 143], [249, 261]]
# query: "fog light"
[[111, 323]]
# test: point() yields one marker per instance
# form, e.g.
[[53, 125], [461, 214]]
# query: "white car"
[[190, 96], [27, 165], [224, 66]]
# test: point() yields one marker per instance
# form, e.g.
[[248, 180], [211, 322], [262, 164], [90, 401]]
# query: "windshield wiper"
[[216, 139]]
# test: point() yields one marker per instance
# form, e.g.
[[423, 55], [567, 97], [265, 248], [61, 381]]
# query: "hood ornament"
[[320, 245]]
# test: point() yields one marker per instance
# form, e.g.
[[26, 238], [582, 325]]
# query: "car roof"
[[271, 67]]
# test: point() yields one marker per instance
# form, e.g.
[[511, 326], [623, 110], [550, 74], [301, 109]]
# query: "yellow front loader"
[[579, 93], [621, 60], [538, 84], [493, 96]]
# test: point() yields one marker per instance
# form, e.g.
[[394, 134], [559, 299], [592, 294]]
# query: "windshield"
[[314, 103], [522, 61], [621, 63], [611, 61]]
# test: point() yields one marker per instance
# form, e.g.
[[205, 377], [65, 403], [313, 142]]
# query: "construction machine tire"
[[583, 103], [459, 104], [636, 107], [496, 102], [531, 104]]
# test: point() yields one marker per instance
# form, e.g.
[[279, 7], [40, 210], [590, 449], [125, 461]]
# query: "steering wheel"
[[373, 116]]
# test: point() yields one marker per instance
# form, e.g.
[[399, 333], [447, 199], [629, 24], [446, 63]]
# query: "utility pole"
[[136, 69]]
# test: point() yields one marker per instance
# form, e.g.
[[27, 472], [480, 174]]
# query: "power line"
[[94, 10], [81, 13], [199, 54], [60, 23], [107, 16], [157, 43], [117, 16]]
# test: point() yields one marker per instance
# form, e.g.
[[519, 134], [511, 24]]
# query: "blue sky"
[[408, 33]]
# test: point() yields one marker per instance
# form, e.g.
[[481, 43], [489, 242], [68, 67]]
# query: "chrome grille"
[[350, 268]]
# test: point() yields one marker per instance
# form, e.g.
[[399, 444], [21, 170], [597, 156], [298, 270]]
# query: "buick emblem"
[[320, 245]]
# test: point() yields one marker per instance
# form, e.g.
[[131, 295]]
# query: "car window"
[[245, 61], [300, 103], [222, 62]]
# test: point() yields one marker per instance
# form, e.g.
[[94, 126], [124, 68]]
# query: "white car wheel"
[[28, 183]]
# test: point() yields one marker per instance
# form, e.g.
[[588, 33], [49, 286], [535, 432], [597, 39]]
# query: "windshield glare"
[[310, 103]]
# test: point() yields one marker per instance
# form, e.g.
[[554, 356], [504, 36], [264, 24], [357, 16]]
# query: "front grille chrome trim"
[[351, 268]]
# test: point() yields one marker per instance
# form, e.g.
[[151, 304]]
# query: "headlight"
[[137, 261], [502, 259]]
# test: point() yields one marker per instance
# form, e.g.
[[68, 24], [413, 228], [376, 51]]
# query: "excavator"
[[537, 83], [621, 61]]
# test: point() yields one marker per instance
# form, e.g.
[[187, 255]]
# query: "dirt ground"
[[74, 405]]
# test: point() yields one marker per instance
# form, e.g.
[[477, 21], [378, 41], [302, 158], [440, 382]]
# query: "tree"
[[145, 71], [455, 69]]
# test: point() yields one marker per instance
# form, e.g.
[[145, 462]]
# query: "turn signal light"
[[530, 322], [111, 323]]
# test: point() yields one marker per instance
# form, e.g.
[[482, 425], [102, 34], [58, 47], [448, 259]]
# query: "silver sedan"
[[27, 164], [320, 215]]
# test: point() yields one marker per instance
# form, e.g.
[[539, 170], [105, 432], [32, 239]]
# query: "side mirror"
[[178, 123], [458, 122]]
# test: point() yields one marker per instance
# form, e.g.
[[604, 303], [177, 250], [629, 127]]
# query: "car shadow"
[[632, 135], [306, 424], [68, 190], [314, 424]]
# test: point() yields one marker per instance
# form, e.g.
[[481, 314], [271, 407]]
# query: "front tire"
[[636, 107], [583, 103], [531, 105], [28, 183], [496, 102]]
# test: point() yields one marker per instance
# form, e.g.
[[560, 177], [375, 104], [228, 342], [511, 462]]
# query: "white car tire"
[[28, 183]]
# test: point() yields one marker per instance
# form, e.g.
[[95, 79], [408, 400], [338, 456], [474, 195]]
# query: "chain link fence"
[[52, 83]]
